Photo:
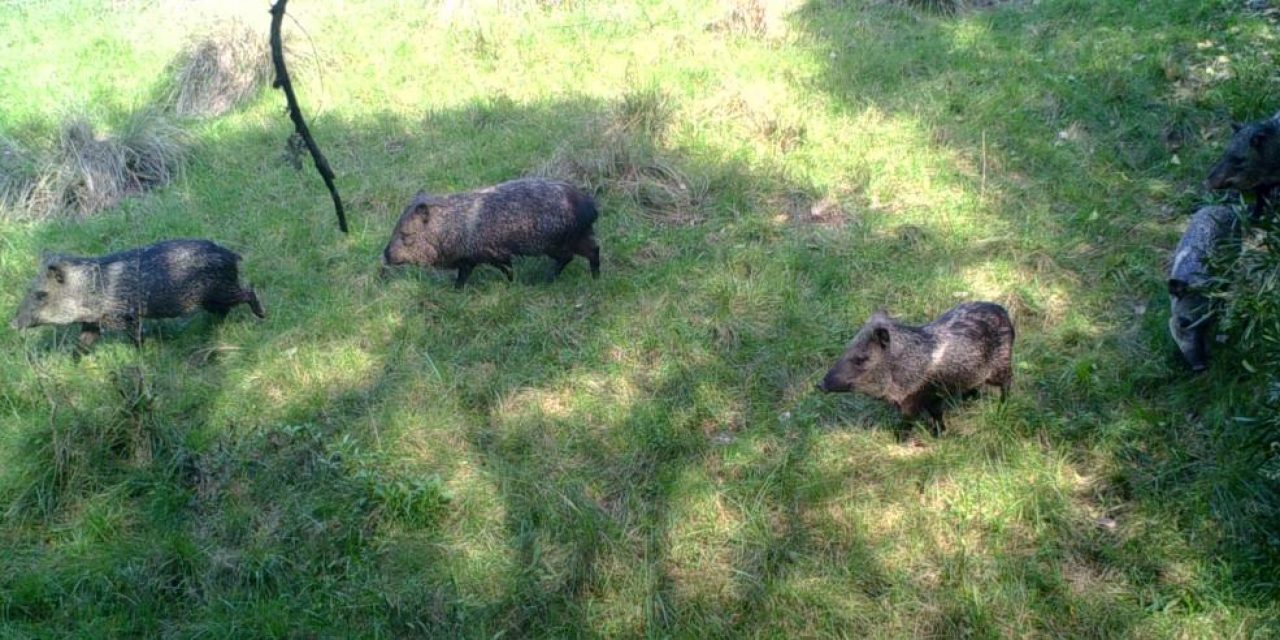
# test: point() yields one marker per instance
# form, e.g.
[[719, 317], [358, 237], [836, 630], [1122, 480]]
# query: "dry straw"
[[221, 70], [621, 155], [84, 172]]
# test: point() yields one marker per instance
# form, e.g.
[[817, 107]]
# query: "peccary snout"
[[1251, 164], [1250, 159], [916, 368]]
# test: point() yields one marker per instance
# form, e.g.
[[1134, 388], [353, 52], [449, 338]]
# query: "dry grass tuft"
[[801, 208], [620, 156], [611, 161], [750, 18], [942, 7], [951, 7], [645, 112], [85, 173], [221, 70], [17, 173]]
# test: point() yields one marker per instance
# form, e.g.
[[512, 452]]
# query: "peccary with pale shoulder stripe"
[[163, 280], [530, 216], [917, 368]]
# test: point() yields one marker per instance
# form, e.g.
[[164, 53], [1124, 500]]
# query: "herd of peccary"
[[913, 368]]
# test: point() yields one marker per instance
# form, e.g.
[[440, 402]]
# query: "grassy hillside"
[[643, 455]]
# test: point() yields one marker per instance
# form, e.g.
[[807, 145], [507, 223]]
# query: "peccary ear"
[[54, 271], [1260, 136], [1236, 127], [1177, 287], [881, 336]]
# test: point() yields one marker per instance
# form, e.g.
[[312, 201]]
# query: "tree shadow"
[[1078, 174], [288, 467]]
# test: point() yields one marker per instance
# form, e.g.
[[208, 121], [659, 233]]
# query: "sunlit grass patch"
[[644, 454]]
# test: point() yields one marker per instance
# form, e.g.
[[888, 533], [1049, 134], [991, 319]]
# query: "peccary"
[[917, 368], [162, 280], [1190, 314], [530, 216], [1251, 163]]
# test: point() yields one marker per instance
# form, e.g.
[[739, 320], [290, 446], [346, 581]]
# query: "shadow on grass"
[[574, 427], [1076, 148]]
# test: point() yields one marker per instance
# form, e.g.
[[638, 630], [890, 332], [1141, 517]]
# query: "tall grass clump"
[[1249, 286], [220, 70], [941, 7], [759, 19], [621, 154], [17, 174], [85, 172]]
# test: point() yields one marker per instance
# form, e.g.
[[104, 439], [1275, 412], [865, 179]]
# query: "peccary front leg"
[[562, 258], [934, 407], [133, 326], [1261, 203], [89, 333], [464, 272]]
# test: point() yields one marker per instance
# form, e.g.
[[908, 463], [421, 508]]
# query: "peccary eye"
[[41, 295]]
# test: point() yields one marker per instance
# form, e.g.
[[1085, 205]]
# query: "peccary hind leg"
[[464, 272], [1003, 379], [1262, 200], [505, 268], [89, 333], [588, 248]]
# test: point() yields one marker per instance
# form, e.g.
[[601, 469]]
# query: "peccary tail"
[[584, 208]]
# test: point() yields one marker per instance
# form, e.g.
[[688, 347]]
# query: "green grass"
[[642, 455]]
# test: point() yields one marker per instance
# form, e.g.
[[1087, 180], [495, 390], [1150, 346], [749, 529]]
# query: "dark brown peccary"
[[916, 368], [1251, 163], [525, 217], [163, 280]]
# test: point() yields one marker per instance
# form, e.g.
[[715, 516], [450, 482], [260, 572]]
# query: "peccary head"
[[58, 295], [1190, 322], [865, 362], [410, 241], [1252, 158]]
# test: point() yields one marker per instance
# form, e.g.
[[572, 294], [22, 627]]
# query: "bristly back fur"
[[529, 216]]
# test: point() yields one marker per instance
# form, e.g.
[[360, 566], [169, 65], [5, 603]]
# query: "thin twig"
[[295, 113]]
